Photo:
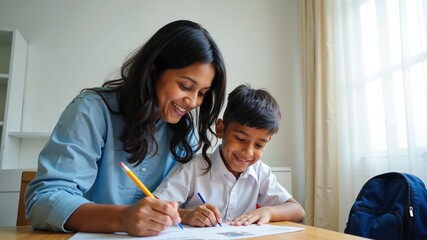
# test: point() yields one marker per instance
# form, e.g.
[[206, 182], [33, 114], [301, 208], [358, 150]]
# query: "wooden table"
[[309, 232]]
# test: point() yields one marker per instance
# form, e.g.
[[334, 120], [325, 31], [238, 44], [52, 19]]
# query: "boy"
[[235, 181]]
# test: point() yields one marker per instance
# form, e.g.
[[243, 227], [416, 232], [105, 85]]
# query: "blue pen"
[[203, 201]]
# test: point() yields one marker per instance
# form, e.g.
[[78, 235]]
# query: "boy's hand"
[[259, 216], [206, 215]]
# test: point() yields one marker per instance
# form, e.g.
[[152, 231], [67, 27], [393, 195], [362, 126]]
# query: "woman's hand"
[[149, 217], [206, 215]]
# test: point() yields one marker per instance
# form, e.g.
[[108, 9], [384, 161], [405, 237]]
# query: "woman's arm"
[[148, 217]]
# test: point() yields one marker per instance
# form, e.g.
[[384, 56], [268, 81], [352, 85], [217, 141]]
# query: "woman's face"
[[180, 90]]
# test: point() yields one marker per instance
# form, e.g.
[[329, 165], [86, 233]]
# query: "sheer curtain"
[[320, 115], [382, 91]]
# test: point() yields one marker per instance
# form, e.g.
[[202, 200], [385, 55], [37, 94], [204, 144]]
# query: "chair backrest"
[[26, 177]]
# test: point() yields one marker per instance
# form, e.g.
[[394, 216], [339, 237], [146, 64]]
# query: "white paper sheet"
[[176, 233]]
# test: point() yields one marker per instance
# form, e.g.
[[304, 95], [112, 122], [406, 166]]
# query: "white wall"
[[77, 44]]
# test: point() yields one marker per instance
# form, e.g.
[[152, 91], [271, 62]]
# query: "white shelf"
[[34, 135], [3, 78], [13, 60]]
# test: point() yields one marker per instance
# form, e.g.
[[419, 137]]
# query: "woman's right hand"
[[149, 217]]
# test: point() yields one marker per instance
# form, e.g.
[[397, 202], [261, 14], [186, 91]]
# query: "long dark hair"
[[176, 45]]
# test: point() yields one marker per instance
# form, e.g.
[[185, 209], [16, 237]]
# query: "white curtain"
[[382, 91]]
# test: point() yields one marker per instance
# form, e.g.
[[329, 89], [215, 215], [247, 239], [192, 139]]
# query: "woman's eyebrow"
[[189, 78], [193, 81]]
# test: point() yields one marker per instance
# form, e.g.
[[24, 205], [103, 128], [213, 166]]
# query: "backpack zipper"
[[411, 209]]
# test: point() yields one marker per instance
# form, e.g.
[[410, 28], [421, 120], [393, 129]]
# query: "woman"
[[144, 117]]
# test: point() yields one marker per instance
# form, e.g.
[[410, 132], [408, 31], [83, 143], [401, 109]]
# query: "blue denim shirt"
[[80, 163]]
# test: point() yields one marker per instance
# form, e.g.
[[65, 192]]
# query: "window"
[[382, 75]]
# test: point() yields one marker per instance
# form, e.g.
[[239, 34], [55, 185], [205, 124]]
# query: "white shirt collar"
[[219, 169]]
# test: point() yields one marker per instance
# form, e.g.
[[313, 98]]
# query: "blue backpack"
[[390, 206]]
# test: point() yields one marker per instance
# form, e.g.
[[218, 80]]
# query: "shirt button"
[[144, 169]]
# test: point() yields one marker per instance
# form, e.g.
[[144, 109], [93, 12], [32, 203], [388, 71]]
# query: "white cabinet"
[[10, 183], [284, 177], [13, 60]]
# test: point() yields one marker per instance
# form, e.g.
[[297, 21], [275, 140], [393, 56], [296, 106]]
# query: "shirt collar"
[[219, 169]]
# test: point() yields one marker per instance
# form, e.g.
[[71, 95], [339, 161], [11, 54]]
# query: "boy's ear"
[[219, 128]]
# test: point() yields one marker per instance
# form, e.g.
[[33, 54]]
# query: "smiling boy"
[[233, 177]]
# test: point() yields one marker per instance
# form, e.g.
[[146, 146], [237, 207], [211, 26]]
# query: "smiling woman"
[[181, 90], [144, 117]]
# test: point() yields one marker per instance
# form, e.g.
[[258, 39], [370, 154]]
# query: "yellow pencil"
[[141, 186]]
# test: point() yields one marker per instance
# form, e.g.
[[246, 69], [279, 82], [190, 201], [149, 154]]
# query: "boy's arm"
[[291, 210]]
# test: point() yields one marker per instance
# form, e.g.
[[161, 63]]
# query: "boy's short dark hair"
[[255, 108]]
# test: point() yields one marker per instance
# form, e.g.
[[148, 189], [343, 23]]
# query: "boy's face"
[[242, 146]]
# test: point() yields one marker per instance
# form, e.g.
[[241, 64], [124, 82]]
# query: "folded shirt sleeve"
[[66, 166]]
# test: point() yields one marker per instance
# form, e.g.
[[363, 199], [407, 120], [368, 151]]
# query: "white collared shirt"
[[219, 186]]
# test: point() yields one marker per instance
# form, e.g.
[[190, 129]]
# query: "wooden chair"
[[26, 177]]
